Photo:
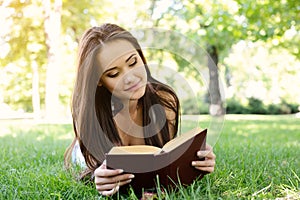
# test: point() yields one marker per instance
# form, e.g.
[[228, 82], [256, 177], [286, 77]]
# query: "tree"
[[277, 22], [52, 24], [218, 25], [23, 42], [31, 50]]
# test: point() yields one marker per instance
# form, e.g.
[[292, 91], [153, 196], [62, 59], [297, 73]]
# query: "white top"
[[77, 157]]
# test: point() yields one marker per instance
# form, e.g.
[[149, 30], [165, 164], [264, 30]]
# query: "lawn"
[[257, 158]]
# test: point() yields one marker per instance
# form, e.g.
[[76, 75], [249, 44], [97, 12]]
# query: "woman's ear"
[[99, 83]]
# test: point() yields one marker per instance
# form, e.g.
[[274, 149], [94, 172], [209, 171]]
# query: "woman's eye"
[[133, 62], [112, 75]]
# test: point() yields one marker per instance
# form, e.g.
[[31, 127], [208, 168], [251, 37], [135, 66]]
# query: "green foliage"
[[256, 106], [234, 106], [257, 70], [26, 38], [273, 24], [17, 88], [77, 16], [190, 107], [221, 24], [26, 48], [257, 158], [208, 23], [224, 23], [283, 108]]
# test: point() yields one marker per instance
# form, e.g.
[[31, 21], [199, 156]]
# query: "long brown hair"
[[92, 111]]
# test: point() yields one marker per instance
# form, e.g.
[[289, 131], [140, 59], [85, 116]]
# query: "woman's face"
[[124, 73]]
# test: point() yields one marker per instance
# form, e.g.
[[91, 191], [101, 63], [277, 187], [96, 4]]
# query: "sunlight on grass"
[[257, 158], [4, 131], [288, 192]]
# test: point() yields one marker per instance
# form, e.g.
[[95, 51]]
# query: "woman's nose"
[[128, 78]]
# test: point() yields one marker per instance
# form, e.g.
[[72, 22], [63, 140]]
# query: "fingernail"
[[131, 176], [201, 153], [193, 163], [121, 171]]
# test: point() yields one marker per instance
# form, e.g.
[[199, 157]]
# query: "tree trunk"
[[35, 91], [52, 26], [216, 105]]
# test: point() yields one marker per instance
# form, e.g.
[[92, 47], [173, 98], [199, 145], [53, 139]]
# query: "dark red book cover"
[[170, 165]]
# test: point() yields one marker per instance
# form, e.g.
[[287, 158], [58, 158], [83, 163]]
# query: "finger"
[[112, 185], [208, 147], [207, 169], [121, 183], [110, 192], [205, 163], [114, 179], [103, 166], [103, 171], [107, 172], [202, 153], [207, 154], [211, 155], [106, 187]]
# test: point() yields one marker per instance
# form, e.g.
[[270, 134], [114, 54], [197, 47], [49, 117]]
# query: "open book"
[[171, 164]]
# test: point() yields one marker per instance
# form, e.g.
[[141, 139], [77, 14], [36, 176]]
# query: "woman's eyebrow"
[[109, 70], [130, 57], [116, 66]]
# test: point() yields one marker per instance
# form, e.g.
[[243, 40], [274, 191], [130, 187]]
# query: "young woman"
[[116, 101]]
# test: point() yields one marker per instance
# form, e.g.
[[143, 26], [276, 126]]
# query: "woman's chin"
[[132, 96], [136, 95]]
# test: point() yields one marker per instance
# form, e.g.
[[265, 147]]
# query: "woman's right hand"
[[108, 181]]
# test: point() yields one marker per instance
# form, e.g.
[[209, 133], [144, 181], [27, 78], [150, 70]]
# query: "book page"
[[172, 144], [135, 149]]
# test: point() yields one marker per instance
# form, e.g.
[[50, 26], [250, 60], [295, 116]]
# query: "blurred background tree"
[[218, 25], [254, 44]]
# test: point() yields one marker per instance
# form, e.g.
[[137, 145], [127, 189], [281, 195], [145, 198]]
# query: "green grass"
[[257, 158]]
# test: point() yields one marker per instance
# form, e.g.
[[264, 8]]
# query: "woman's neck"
[[129, 122], [130, 106]]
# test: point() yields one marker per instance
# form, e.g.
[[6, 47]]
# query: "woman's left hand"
[[208, 164]]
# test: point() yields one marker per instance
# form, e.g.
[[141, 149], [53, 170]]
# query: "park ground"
[[257, 158]]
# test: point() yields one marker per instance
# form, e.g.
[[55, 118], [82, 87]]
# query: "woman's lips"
[[134, 87]]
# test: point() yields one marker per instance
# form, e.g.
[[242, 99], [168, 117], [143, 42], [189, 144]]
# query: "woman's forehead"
[[114, 53]]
